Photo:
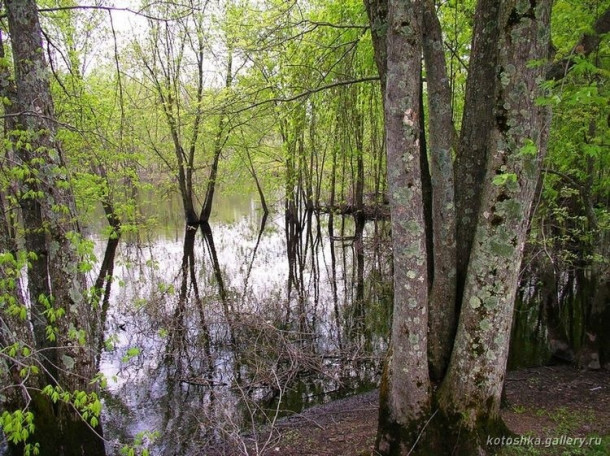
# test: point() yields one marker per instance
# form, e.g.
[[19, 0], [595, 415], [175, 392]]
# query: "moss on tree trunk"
[[464, 414]]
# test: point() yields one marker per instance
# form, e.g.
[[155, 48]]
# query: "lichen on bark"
[[473, 385], [405, 390]]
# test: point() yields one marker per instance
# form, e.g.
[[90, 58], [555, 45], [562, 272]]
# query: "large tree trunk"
[[37, 284], [502, 144], [471, 391], [405, 388], [52, 236]]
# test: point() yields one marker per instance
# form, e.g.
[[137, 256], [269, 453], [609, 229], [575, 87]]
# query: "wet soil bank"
[[552, 406]]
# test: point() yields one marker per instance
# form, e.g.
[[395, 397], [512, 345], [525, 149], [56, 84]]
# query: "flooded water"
[[215, 331], [212, 333]]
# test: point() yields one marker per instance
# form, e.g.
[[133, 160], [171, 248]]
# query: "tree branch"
[[307, 93], [331, 25], [109, 9]]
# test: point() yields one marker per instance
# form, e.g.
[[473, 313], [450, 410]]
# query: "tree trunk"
[[377, 11], [405, 386], [477, 122], [471, 392], [443, 291], [502, 144], [426, 185], [49, 206], [219, 142]]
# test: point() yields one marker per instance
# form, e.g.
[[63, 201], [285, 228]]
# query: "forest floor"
[[554, 404]]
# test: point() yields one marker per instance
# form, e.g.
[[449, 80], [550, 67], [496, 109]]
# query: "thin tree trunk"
[[477, 123], [219, 142], [259, 188], [331, 234], [377, 11], [443, 291], [169, 99], [103, 283], [426, 183]]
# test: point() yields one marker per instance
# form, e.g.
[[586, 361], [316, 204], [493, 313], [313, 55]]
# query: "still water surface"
[[213, 332]]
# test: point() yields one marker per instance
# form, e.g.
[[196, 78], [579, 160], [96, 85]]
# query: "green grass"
[[566, 424]]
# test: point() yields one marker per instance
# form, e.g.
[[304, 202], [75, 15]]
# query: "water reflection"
[[213, 331]]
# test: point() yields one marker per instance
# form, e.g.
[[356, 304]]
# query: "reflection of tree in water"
[[228, 346], [254, 250], [222, 292], [177, 353], [103, 283]]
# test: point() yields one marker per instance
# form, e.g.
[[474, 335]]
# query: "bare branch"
[[307, 93], [113, 8], [331, 25]]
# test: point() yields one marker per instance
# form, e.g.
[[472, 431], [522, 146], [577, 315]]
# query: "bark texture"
[[477, 123], [405, 388], [377, 11], [517, 143], [47, 207], [502, 143], [443, 291]]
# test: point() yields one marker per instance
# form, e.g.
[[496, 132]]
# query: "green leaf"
[[529, 149], [504, 179], [131, 352]]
